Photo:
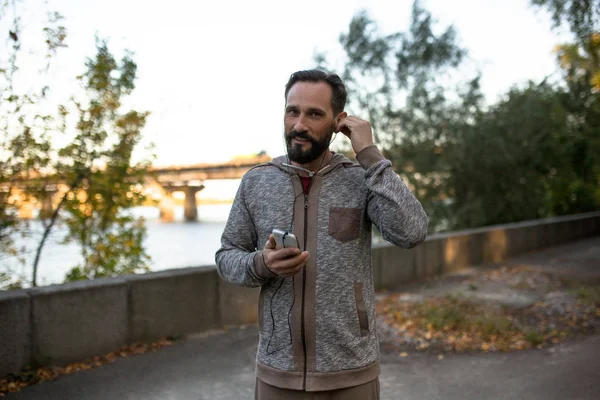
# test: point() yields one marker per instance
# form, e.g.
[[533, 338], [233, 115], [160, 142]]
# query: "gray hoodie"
[[317, 329]]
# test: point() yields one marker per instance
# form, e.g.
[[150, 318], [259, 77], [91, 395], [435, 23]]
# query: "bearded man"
[[316, 314]]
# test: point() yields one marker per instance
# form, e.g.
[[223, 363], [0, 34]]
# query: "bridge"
[[190, 179], [161, 183]]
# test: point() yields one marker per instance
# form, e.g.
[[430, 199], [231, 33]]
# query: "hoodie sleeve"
[[391, 206], [238, 260]]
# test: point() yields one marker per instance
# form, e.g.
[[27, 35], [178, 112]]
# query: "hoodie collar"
[[283, 163]]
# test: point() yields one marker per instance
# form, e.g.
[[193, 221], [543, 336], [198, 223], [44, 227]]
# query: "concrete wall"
[[171, 303], [15, 327], [447, 252], [71, 322], [63, 323]]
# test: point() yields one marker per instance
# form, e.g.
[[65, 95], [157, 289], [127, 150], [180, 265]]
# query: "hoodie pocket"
[[344, 223], [363, 318]]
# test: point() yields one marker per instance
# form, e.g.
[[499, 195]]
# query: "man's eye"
[[315, 114], [292, 112]]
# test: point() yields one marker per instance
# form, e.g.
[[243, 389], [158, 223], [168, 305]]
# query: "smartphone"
[[285, 239]]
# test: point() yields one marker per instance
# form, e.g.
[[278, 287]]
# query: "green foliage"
[[94, 174], [100, 155], [402, 82], [459, 313], [517, 161], [113, 252], [528, 156], [25, 129], [589, 295], [10, 281], [581, 59], [454, 315], [581, 16], [534, 337]]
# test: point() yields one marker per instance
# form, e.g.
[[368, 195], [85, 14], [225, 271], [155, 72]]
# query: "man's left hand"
[[357, 130]]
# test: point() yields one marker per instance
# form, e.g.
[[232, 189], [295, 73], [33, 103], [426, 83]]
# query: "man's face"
[[309, 121]]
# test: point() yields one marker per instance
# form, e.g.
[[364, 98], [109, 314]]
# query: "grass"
[[494, 325], [454, 323], [589, 295], [452, 314], [533, 337], [460, 314], [457, 323]]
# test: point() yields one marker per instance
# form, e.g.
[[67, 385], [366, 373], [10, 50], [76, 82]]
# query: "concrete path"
[[221, 365], [579, 260]]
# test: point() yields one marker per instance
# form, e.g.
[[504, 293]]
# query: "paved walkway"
[[221, 366]]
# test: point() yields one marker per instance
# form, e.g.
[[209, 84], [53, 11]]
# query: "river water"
[[170, 244]]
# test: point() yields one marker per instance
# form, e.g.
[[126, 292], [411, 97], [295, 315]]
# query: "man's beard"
[[296, 152]]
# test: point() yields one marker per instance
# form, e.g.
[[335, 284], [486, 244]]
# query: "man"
[[316, 314]]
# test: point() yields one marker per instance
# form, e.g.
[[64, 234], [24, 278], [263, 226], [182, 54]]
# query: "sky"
[[212, 73]]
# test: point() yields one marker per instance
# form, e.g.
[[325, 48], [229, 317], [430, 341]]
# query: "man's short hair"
[[338, 96]]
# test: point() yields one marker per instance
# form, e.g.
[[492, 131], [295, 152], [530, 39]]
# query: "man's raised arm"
[[392, 207]]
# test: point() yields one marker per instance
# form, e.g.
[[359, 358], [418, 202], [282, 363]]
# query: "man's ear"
[[340, 117]]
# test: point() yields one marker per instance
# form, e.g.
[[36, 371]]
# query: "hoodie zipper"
[[306, 206], [304, 291]]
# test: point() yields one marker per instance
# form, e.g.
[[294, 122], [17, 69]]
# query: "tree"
[[529, 156], [580, 62], [25, 143], [403, 83], [95, 170], [532, 154], [581, 59], [581, 16], [582, 100], [101, 155], [502, 164]]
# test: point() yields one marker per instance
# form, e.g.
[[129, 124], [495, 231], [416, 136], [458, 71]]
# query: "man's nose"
[[300, 126]]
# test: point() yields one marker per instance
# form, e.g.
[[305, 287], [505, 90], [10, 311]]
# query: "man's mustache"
[[300, 135]]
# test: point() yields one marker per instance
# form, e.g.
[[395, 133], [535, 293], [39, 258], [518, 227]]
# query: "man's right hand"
[[283, 262]]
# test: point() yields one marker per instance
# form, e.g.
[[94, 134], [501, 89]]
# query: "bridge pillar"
[[190, 210], [167, 208]]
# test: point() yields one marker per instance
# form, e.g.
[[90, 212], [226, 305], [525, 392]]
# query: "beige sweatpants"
[[367, 391]]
